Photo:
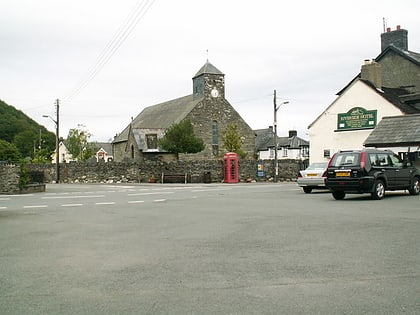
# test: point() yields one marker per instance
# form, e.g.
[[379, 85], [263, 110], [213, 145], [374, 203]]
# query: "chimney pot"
[[388, 29], [398, 27]]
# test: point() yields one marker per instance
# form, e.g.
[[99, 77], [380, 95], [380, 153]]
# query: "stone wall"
[[199, 171], [9, 179]]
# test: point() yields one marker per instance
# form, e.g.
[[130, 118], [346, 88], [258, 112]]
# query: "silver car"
[[313, 177]]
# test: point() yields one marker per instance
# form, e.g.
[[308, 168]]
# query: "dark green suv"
[[370, 171]]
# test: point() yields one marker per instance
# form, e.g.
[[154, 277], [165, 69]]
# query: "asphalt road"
[[208, 249]]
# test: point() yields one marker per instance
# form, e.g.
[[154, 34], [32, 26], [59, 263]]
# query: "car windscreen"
[[317, 166], [346, 159]]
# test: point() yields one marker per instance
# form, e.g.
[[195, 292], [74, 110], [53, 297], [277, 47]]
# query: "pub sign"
[[357, 118]]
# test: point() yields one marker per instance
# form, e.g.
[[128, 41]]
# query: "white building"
[[386, 86]]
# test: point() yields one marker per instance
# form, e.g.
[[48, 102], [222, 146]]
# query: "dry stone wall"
[[9, 179], [198, 171]]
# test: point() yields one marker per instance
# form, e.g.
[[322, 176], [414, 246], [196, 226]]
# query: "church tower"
[[209, 82]]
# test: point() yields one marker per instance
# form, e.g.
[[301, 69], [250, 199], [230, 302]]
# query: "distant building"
[[64, 154], [291, 147], [208, 110], [103, 152]]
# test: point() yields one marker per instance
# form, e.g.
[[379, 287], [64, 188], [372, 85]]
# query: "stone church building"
[[208, 110]]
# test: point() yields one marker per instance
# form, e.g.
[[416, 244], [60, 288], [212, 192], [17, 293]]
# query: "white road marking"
[[72, 205], [4, 198], [159, 200], [40, 206], [211, 189], [136, 201], [73, 197], [2, 208], [152, 193], [104, 203]]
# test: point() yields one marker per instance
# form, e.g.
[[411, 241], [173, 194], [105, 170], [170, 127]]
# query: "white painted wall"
[[322, 132]]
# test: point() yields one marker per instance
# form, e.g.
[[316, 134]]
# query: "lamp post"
[[276, 164], [57, 140]]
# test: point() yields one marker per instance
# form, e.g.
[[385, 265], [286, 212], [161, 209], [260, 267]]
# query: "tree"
[[78, 144], [180, 138], [232, 140], [9, 152]]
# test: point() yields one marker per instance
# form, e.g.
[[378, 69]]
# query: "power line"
[[126, 28]]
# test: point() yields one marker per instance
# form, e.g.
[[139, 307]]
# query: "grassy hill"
[[23, 132]]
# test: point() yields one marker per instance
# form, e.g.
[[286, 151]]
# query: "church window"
[[132, 151], [215, 137], [151, 140], [215, 133]]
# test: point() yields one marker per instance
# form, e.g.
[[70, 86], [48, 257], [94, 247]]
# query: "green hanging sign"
[[357, 118]]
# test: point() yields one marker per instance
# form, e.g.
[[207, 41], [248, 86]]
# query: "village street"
[[207, 249]]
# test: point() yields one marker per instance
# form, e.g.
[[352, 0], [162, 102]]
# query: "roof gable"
[[391, 95], [406, 54]]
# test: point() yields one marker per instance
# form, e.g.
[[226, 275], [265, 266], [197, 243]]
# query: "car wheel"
[[378, 190], [415, 187], [338, 195], [307, 190]]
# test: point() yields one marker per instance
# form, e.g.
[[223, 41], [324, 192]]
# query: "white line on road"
[[40, 206], [73, 197], [136, 201], [104, 203], [211, 189], [152, 193], [2, 208], [72, 205], [4, 198], [159, 200]]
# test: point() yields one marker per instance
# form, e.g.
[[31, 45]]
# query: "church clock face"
[[214, 92]]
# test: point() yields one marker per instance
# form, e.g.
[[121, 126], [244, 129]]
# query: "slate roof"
[[409, 55], [393, 95], [106, 146], [161, 116], [396, 130], [264, 140], [208, 68]]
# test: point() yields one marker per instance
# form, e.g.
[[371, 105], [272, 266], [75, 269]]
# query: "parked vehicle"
[[313, 177], [370, 171]]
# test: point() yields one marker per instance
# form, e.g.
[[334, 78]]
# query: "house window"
[[132, 151], [327, 153], [284, 152], [271, 151], [151, 141]]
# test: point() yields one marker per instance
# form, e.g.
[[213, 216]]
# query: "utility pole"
[[276, 164], [57, 141]]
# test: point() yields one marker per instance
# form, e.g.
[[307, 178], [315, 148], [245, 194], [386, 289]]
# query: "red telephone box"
[[231, 165]]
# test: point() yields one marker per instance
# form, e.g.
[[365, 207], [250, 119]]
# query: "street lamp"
[[57, 140], [276, 164]]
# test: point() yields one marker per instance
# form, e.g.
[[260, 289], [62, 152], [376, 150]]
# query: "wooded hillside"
[[23, 132]]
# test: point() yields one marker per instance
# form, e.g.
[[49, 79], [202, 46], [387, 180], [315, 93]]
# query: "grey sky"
[[306, 50]]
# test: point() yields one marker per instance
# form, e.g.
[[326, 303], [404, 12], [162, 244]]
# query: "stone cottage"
[[208, 110]]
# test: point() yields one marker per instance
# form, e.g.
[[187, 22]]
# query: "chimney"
[[371, 71], [292, 133], [398, 38]]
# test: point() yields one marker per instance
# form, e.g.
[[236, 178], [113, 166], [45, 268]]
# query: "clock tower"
[[209, 82]]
